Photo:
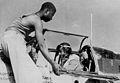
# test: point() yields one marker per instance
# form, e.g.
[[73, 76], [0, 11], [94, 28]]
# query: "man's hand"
[[56, 68]]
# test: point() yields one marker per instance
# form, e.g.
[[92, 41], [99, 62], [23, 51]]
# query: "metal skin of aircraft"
[[76, 70]]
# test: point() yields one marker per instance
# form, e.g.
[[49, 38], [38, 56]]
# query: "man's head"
[[65, 48], [48, 10]]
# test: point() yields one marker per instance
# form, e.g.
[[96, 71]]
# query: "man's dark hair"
[[50, 6]]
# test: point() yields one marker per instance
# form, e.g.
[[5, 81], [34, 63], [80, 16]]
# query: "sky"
[[73, 16]]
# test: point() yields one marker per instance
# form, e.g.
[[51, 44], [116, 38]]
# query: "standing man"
[[14, 44]]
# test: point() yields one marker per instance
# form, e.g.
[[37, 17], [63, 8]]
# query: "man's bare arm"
[[41, 42], [34, 20]]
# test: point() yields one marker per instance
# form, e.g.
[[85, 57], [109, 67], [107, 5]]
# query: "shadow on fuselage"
[[6, 75]]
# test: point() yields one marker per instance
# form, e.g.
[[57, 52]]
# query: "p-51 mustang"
[[79, 66]]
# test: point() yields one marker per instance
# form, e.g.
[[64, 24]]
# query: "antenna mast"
[[91, 39], [91, 31]]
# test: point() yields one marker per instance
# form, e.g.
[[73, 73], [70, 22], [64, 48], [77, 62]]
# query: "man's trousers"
[[24, 69]]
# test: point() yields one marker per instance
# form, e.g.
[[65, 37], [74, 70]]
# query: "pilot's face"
[[65, 49]]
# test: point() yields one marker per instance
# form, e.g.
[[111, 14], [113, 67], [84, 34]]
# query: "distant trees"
[[106, 53]]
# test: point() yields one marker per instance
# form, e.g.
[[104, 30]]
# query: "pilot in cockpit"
[[66, 59]]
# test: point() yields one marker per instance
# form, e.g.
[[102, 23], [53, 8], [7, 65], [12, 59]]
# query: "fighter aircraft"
[[83, 64], [94, 67]]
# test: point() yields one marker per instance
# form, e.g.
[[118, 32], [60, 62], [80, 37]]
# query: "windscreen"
[[53, 39]]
